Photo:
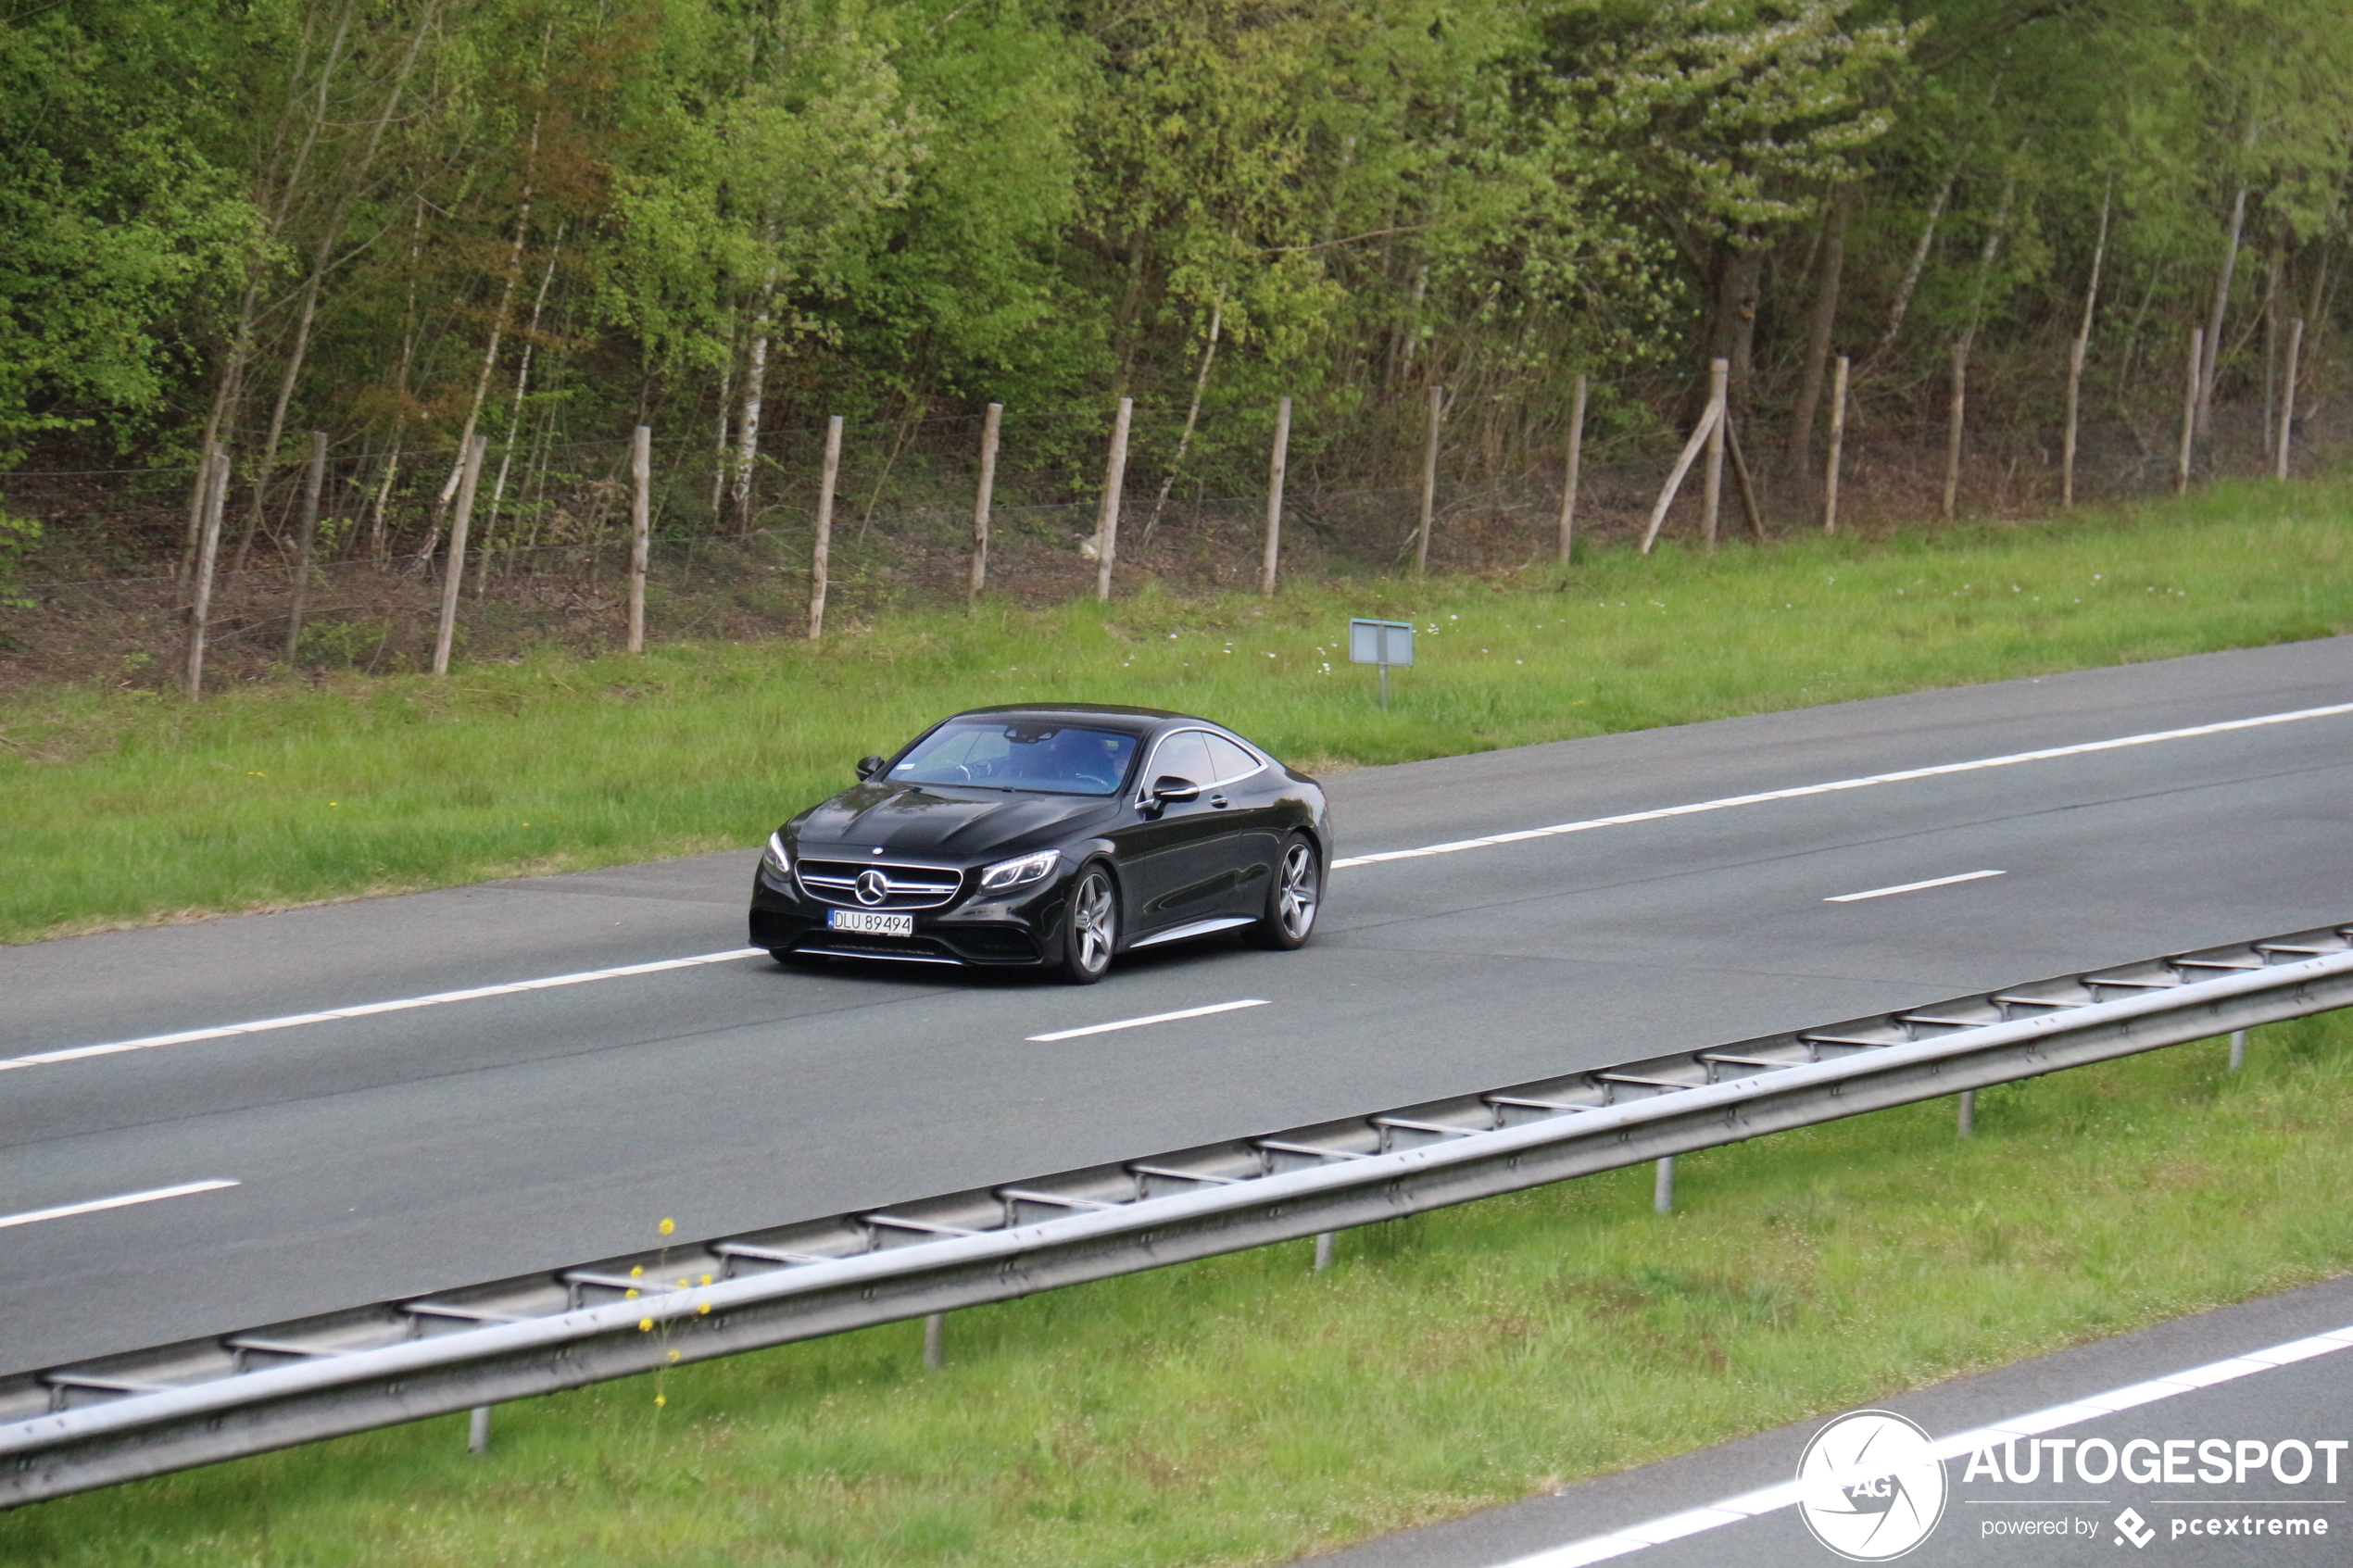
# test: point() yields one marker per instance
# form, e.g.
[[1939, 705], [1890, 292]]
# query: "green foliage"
[[118, 217], [339, 214]]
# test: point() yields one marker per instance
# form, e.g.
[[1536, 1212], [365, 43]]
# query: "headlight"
[[1007, 875], [777, 859]]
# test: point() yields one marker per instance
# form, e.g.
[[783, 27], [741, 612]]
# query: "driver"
[[1079, 754]]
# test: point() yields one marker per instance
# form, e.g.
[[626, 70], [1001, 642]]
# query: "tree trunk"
[[355, 183], [1903, 302], [490, 351], [2079, 349], [514, 414], [1193, 418], [2274, 284], [2213, 351], [1817, 343], [755, 389], [1957, 415]]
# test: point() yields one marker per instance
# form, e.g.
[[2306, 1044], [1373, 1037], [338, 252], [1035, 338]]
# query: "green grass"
[[1244, 1410], [123, 805]]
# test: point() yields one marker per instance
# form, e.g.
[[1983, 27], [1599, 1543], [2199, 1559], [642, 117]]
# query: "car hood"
[[920, 819]]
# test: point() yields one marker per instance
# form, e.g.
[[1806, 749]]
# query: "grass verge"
[[125, 806], [1244, 1410]]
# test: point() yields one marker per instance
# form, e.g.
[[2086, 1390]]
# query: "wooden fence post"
[[989, 426], [1719, 373], [313, 482], [1575, 462], [1701, 432], [453, 572], [641, 479], [2288, 398], [214, 488], [824, 528], [1838, 447], [1115, 479], [2189, 412], [1275, 497], [1429, 482], [1745, 481]]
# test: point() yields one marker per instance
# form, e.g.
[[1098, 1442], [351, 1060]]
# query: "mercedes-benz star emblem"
[[873, 886]]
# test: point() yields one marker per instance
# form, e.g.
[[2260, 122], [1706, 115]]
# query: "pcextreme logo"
[[1874, 1488]]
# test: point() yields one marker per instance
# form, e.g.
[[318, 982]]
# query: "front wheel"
[[1091, 934], [1292, 897]]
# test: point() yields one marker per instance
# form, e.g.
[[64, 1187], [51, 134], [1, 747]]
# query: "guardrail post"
[[2238, 1049], [1323, 1250], [1969, 1114], [478, 1431], [935, 1325], [1663, 1190]]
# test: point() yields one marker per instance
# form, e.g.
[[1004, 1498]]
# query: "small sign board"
[[1380, 641]]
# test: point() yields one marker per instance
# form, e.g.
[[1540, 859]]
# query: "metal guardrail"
[[117, 1418]]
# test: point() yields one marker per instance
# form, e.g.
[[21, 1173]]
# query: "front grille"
[[905, 887]]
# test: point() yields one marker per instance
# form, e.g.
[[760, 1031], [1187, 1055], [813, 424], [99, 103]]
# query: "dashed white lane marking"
[[1912, 886], [1155, 1017], [228, 1031], [68, 1210], [1749, 1505], [1801, 791]]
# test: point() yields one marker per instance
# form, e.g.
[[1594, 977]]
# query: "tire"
[[1091, 931], [1294, 897]]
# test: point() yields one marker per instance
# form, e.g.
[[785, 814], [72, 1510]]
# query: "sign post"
[[1383, 643]]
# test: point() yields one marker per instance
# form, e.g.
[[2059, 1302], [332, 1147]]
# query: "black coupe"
[[1048, 837]]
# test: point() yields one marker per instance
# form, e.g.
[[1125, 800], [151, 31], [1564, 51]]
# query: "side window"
[[1230, 761], [1184, 756]]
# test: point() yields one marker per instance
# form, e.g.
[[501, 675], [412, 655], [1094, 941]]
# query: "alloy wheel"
[[1295, 893], [1094, 923]]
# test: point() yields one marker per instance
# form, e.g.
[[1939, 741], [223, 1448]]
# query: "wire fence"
[[732, 543]]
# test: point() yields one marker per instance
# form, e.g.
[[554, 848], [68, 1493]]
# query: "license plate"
[[871, 923]]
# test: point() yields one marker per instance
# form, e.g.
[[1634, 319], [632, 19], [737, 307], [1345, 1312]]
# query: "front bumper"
[[1013, 931]]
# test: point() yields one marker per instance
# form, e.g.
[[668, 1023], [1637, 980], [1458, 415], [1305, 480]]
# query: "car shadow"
[[1150, 961]]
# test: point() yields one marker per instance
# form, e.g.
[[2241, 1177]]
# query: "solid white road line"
[[1912, 886], [1749, 1505], [1832, 787], [1140, 1022], [228, 1031], [95, 1204]]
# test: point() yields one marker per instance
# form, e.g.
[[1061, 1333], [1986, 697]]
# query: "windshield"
[[1060, 759]]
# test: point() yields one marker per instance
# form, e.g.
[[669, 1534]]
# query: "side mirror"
[[1169, 788], [869, 766]]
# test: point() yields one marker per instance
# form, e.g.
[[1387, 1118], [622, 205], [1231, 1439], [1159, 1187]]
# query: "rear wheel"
[[1091, 932], [1293, 897]]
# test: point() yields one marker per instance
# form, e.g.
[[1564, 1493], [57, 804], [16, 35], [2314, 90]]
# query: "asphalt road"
[[413, 1150], [1996, 1522]]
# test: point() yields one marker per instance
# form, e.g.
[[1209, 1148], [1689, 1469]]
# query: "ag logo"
[[1873, 1490], [873, 886]]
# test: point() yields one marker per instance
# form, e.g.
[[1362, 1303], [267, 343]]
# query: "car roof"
[[1134, 721]]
